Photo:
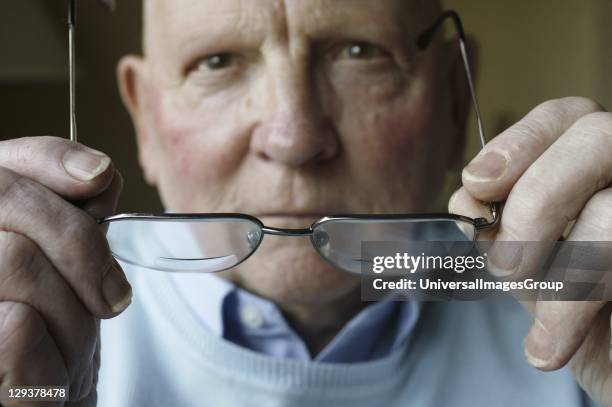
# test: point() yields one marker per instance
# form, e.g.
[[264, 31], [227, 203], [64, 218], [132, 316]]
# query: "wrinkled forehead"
[[173, 23]]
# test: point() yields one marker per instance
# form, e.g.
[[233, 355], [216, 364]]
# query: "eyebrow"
[[212, 35], [249, 28]]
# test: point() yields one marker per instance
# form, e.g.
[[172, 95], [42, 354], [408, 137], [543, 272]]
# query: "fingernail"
[[487, 167], [84, 163], [117, 291], [539, 345]]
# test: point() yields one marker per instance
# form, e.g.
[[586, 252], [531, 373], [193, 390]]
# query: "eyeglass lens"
[[208, 245], [213, 245], [340, 241]]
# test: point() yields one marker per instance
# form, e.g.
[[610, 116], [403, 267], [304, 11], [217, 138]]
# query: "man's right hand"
[[57, 275]]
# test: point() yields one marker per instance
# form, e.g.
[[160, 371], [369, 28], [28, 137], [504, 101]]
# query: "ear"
[[461, 98], [134, 83]]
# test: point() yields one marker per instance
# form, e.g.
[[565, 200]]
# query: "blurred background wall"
[[530, 51]]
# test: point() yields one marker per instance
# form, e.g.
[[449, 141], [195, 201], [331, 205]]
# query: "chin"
[[289, 271]]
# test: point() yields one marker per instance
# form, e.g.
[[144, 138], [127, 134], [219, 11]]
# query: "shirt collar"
[[205, 294], [374, 332]]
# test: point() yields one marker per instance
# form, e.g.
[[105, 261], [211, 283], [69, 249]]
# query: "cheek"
[[392, 146], [391, 133], [198, 143]]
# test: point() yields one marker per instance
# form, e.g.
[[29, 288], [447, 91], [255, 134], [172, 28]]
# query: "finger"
[[492, 173], [560, 328], [591, 365], [567, 320], [557, 186], [28, 355], [27, 277], [67, 168], [105, 204], [71, 239], [462, 203]]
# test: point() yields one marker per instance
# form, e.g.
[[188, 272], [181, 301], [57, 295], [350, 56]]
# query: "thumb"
[[462, 203], [105, 204]]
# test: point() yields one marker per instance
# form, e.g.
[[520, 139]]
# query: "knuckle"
[[17, 257], [23, 200], [525, 134], [90, 249], [580, 102], [45, 144], [17, 191], [26, 354], [20, 327], [549, 115], [30, 150], [596, 123], [598, 209], [551, 107], [7, 178], [532, 202], [549, 120], [23, 197], [84, 231], [570, 103]]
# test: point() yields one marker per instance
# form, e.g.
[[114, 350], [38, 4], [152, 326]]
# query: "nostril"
[[262, 155], [323, 155], [330, 148], [298, 151], [295, 138]]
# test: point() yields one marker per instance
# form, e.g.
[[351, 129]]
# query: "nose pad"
[[320, 238], [253, 238]]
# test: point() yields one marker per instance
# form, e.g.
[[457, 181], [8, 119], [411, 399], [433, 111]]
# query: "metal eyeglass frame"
[[479, 224]]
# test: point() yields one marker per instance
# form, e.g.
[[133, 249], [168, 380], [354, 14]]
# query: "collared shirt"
[[257, 324]]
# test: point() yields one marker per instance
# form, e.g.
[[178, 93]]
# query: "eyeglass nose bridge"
[[319, 238], [268, 230]]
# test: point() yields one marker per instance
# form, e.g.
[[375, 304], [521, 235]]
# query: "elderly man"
[[292, 110]]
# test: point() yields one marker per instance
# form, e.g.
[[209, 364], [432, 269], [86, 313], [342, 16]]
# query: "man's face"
[[289, 111]]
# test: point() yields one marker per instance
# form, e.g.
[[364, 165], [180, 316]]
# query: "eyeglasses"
[[216, 242]]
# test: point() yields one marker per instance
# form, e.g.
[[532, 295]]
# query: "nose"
[[295, 131]]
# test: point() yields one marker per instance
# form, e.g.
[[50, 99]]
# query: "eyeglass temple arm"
[[71, 67], [423, 42]]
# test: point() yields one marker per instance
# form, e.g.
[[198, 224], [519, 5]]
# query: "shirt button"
[[251, 317]]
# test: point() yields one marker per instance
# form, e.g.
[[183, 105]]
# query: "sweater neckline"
[[236, 361]]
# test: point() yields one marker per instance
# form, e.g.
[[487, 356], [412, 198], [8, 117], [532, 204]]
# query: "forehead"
[[179, 21]]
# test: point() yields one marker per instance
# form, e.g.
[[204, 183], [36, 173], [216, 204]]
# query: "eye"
[[363, 50], [216, 62]]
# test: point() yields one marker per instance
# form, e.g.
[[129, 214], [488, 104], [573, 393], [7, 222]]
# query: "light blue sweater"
[[158, 353]]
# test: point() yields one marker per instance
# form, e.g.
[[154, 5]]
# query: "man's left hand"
[[551, 169]]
